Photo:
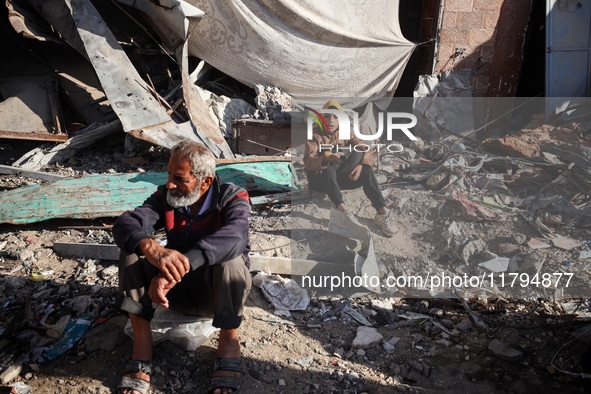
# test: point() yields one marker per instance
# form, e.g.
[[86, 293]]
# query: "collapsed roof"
[[309, 49]]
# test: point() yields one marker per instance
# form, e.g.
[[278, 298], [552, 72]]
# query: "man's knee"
[[234, 271]]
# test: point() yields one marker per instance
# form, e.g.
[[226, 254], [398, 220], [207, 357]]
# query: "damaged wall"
[[487, 37]]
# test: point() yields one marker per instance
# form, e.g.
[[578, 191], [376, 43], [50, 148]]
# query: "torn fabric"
[[308, 48]]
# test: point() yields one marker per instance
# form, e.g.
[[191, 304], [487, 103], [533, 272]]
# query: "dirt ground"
[[440, 347]]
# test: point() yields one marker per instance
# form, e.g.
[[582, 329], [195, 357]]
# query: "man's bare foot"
[[228, 347]]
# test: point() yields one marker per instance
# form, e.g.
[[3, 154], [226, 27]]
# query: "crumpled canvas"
[[308, 48]]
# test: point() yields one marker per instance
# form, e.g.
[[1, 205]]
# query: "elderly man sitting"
[[202, 271]]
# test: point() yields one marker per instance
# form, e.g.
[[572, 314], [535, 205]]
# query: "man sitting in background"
[[332, 172]]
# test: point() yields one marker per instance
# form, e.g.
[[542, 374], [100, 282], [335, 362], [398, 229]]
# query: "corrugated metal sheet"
[[112, 194], [568, 57]]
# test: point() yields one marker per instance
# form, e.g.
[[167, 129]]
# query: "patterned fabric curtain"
[[308, 48]]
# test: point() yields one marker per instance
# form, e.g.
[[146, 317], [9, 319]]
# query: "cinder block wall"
[[487, 37]]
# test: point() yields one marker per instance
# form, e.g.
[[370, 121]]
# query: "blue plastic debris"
[[71, 335]]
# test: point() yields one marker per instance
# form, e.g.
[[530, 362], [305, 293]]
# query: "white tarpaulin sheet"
[[308, 48]]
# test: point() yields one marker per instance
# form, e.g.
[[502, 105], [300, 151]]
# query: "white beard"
[[176, 199]]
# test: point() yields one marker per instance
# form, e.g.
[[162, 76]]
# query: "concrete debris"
[[273, 104], [505, 352], [535, 244], [366, 337], [226, 109], [530, 143], [565, 243], [498, 264]]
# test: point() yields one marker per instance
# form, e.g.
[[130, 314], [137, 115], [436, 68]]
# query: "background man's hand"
[[333, 157], [172, 264], [355, 173], [159, 287], [327, 157]]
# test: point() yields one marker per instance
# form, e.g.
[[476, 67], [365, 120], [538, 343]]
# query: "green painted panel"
[[104, 195]]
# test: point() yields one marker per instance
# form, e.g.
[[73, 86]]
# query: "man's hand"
[[172, 264], [159, 287], [354, 174]]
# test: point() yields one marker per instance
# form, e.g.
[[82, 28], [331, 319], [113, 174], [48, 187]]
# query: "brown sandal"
[[231, 382]]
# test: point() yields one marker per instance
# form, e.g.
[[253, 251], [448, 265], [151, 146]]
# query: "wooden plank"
[[87, 251], [33, 136]]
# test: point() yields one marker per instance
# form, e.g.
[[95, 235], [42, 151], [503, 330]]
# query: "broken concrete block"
[[535, 244], [505, 352], [565, 243], [367, 337], [408, 154], [519, 238], [11, 372], [465, 324], [498, 264]]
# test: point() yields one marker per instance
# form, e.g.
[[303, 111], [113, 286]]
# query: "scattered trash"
[[20, 388], [274, 320], [453, 231], [282, 293], [72, 334], [358, 317]]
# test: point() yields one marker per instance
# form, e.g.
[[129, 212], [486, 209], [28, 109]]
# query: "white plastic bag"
[[187, 332]]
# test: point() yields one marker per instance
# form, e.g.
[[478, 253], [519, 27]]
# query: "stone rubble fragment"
[[505, 352], [366, 337]]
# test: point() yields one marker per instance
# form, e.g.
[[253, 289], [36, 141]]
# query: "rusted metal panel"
[[140, 113], [260, 137], [107, 195], [209, 132], [30, 110]]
